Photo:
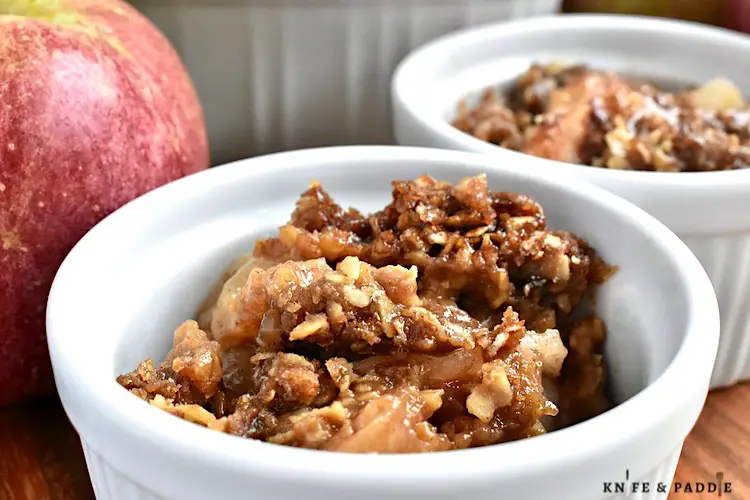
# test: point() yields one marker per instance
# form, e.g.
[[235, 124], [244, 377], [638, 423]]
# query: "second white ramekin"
[[710, 211], [276, 75]]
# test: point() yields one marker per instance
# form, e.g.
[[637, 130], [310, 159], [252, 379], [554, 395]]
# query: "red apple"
[[738, 15], [96, 108]]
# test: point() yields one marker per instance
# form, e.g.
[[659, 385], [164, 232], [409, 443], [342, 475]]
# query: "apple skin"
[[96, 108], [738, 15]]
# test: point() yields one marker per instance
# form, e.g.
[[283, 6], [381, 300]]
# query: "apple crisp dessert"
[[578, 115], [453, 318]]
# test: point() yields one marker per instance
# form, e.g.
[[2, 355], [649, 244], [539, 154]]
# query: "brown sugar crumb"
[[579, 115], [348, 309], [190, 374], [443, 321]]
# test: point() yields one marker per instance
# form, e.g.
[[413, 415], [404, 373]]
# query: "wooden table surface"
[[41, 458]]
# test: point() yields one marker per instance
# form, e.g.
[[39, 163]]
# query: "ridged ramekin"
[[709, 210], [275, 75], [132, 279]]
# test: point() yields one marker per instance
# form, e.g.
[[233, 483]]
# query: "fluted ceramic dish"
[[710, 211], [125, 287], [276, 75]]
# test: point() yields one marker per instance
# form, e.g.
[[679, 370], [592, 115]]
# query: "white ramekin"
[[275, 75], [709, 211], [144, 269]]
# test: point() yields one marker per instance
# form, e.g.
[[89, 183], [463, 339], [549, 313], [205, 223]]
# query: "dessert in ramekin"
[[138, 275]]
